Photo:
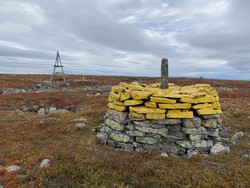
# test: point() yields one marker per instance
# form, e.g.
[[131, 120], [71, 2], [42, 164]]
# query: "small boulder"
[[246, 155], [44, 163], [219, 149], [13, 168], [80, 125], [237, 136], [164, 154]]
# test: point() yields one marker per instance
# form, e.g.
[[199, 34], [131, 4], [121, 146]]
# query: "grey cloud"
[[127, 37]]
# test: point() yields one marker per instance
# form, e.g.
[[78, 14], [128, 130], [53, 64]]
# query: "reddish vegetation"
[[78, 161]]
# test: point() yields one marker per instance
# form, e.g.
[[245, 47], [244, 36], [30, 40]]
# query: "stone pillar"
[[164, 73]]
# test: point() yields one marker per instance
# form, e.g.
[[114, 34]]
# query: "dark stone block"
[[151, 147], [111, 143], [126, 146]]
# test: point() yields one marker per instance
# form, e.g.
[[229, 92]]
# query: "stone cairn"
[[177, 120]]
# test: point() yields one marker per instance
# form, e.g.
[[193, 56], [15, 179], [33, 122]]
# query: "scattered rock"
[[61, 111], [41, 111], [219, 149], [164, 154], [45, 163], [13, 168], [246, 155], [1, 166], [79, 119], [237, 136], [80, 125], [1, 186], [52, 110]]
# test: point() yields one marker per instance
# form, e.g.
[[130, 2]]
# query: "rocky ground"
[[47, 138]]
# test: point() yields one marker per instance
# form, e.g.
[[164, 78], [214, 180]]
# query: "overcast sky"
[[208, 38]]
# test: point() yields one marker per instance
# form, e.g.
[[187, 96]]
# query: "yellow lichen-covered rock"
[[174, 96], [205, 105], [179, 114], [162, 100], [216, 105], [114, 95], [202, 85], [145, 110], [155, 116], [136, 115], [187, 99], [116, 89], [205, 99], [208, 111], [117, 107], [175, 106], [140, 94], [151, 104], [125, 96], [133, 102], [118, 103]]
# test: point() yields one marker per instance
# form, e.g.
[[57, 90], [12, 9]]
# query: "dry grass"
[[78, 161]]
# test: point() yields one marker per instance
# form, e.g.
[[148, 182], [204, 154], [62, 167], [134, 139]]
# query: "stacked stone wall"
[[177, 120]]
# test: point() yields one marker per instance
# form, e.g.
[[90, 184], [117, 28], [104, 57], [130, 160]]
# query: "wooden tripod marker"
[[58, 64], [164, 74]]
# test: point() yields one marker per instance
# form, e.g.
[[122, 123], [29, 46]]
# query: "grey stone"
[[237, 136], [41, 111], [79, 119], [60, 111], [137, 144], [223, 132], [147, 140], [120, 137], [98, 128], [167, 121], [114, 125], [209, 123], [193, 131], [184, 143], [213, 132], [45, 163], [192, 123], [13, 168], [130, 127], [151, 147], [111, 143], [173, 149], [102, 137], [246, 155], [219, 149], [52, 110], [1, 186], [202, 143], [195, 137], [137, 119], [120, 117], [211, 116], [157, 126], [126, 146], [173, 129], [107, 130], [80, 125], [135, 133], [163, 132], [164, 154], [142, 123]]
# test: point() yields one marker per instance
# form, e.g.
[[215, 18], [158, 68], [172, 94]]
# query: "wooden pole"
[[164, 73]]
